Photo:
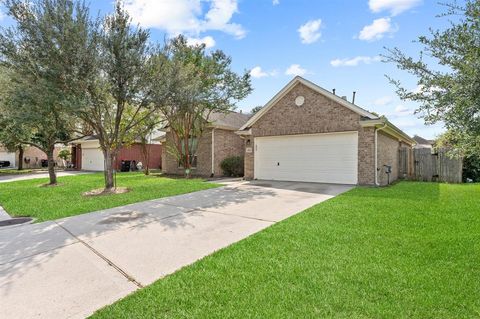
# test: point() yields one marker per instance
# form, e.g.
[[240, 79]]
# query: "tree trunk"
[[20, 157], [109, 157], [51, 166], [146, 157]]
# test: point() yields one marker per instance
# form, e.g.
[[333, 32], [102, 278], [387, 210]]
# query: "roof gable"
[[313, 87]]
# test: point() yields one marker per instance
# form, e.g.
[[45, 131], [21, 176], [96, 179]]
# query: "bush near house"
[[232, 166], [471, 168]]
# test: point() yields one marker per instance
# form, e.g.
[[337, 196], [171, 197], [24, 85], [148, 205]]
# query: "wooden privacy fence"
[[428, 166]]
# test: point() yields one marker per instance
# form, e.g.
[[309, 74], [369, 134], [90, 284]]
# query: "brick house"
[[306, 133], [87, 155], [218, 142], [32, 157]]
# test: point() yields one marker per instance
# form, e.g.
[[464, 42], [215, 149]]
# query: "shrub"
[[471, 168], [232, 166], [64, 154]]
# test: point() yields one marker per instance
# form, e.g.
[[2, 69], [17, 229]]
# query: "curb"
[[3, 214]]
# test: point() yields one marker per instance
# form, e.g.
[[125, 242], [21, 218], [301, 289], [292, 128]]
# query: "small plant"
[[232, 166], [64, 154], [471, 169]]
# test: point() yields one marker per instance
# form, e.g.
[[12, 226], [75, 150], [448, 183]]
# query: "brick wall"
[[134, 152], [33, 156], [387, 155], [317, 115], [204, 162], [227, 143]]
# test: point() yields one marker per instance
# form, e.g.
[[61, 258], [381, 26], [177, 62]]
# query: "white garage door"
[[92, 159], [7, 156], [322, 158]]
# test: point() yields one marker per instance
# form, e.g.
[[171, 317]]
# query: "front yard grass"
[[27, 198], [407, 251]]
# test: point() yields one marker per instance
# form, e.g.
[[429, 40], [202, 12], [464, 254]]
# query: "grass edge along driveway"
[[28, 198], [411, 250]]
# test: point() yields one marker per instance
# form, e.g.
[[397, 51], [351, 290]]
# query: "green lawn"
[[27, 198], [408, 251]]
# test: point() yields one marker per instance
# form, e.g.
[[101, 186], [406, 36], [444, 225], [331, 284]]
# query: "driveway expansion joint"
[[108, 261]]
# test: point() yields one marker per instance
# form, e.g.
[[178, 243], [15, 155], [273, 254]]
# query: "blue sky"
[[335, 44]]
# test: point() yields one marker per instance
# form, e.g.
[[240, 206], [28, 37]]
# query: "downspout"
[[376, 152], [213, 152]]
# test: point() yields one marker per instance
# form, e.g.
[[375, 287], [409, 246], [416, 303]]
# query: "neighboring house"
[[6, 156], [305, 133], [218, 142], [422, 142], [32, 157], [87, 155]]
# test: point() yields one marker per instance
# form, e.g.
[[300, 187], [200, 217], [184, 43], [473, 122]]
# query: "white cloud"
[[295, 69], [377, 30], [426, 91], [258, 72], [354, 61], [276, 2], [402, 110], [310, 31], [208, 41], [186, 16], [382, 101], [394, 6]]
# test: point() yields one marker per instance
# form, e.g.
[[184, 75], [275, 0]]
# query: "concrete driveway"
[[70, 267]]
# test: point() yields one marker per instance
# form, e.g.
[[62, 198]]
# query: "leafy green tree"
[[45, 52], [256, 109], [119, 90], [199, 84], [448, 75], [12, 134]]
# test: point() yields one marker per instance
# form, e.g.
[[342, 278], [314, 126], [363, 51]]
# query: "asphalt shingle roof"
[[232, 120]]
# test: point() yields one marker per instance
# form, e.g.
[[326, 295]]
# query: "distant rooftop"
[[233, 120], [423, 141]]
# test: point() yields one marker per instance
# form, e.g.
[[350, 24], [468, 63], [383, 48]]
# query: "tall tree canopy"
[[199, 83], [119, 89], [13, 133], [46, 55], [448, 75]]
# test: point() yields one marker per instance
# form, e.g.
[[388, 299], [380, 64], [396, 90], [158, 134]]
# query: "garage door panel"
[[92, 159], [8, 156], [328, 158]]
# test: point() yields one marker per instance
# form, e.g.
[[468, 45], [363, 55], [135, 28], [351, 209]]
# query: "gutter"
[[376, 152]]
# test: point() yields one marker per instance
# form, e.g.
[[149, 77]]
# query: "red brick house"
[[87, 155]]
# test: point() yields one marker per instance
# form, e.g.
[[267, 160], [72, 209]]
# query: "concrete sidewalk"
[[74, 266], [22, 177]]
